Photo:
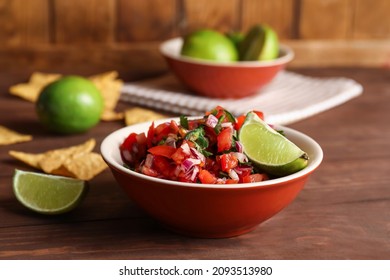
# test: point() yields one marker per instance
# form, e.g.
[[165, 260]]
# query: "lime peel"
[[48, 194], [270, 150]]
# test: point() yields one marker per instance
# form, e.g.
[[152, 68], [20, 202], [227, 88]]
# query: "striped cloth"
[[290, 97]]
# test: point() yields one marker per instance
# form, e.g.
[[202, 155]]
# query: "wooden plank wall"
[[125, 34]]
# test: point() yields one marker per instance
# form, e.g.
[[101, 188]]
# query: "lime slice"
[[48, 194], [270, 150]]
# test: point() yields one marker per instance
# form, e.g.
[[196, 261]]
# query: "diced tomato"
[[162, 131], [179, 156], [149, 138], [129, 141], [219, 112], [243, 172], [231, 181], [228, 162], [162, 127], [257, 177], [162, 150], [239, 122], [174, 127], [224, 139], [206, 177], [133, 149], [149, 171], [164, 167], [141, 139], [211, 135], [192, 124]]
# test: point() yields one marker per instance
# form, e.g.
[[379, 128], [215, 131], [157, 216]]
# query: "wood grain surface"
[[127, 24], [342, 213]]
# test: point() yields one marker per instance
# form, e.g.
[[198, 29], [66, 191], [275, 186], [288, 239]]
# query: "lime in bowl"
[[209, 210], [222, 79]]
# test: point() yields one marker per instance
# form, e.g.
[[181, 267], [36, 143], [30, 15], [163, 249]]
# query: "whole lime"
[[210, 45], [260, 43], [69, 105]]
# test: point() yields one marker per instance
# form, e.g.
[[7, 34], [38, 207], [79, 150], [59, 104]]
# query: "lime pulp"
[[270, 150], [48, 194]]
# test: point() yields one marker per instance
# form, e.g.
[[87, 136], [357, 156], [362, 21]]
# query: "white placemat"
[[290, 97]]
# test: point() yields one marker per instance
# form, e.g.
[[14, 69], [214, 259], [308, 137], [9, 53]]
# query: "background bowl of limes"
[[216, 65]]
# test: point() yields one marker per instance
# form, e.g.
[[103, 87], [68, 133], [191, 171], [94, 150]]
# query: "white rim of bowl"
[[171, 48], [110, 146]]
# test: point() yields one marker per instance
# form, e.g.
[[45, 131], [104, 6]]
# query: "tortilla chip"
[[29, 159], [86, 166], [31, 90], [8, 136], [42, 79], [110, 88], [112, 116], [54, 159], [138, 115], [75, 161]]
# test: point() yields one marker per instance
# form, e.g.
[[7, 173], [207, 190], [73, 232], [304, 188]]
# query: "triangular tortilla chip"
[[29, 159], [110, 88], [55, 158], [76, 161], [85, 167], [30, 91], [8, 136]]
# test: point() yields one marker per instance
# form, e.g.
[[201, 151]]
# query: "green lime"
[[48, 194], [270, 150], [71, 104], [236, 38], [210, 45], [260, 43]]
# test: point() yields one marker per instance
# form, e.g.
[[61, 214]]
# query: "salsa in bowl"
[[208, 209]]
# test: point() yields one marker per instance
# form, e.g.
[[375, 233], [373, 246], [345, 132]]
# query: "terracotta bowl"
[[222, 80], [205, 210]]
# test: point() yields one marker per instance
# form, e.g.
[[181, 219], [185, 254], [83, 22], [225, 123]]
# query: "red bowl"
[[222, 80], [205, 210]]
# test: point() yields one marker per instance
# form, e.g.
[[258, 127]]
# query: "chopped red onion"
[[211, 121], [227, 124], [127, 156], [241, 169], [221, 180], [198, 155], [187, 165], [241, 157], [195, 172], [149, 160], [239, 147], [233, 174], [186, 148], [170, 141]]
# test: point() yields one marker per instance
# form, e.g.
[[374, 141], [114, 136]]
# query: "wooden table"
[[343, 212]]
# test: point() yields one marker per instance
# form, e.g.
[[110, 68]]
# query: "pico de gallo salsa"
[[204, 150]]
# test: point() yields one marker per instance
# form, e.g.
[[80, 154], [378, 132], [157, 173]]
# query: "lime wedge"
[[270, 150], [48, 194]]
